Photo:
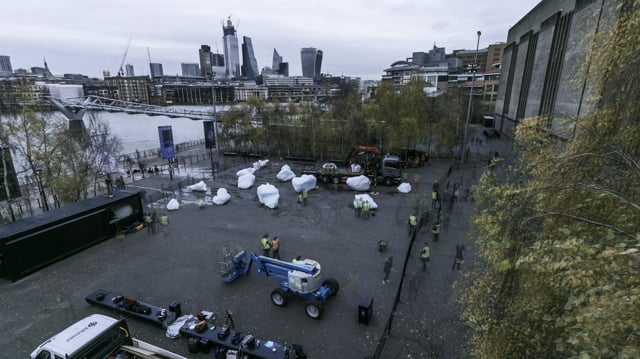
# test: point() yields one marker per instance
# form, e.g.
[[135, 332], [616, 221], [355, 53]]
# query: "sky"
[[359, 38]]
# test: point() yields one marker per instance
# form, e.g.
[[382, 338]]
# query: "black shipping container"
[[32, 243]]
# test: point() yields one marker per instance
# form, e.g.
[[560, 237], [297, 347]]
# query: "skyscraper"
[[249, 62], [5, 66], [129, 70], [205, 61], [279, 67], [156, 69], [311, 59], [231, 51], [190, 70], [277, 60]]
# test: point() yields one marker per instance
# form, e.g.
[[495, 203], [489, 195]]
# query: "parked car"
[[491, 133]]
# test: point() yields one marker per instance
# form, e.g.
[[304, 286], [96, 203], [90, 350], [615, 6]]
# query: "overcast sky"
[[358, 37]]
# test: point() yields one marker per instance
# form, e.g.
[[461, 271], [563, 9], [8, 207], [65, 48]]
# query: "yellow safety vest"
[[412, 220], [265, 243], [164, 220], [425, 252]]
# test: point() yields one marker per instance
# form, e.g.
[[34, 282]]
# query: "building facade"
[[205, 61], [311, 59], [249, 63], [544, 64], [231, 50], [5, 66], [155, 69], [190, 70], [132, 89]]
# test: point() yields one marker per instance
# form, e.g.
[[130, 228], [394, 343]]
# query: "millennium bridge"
[[75, 108]]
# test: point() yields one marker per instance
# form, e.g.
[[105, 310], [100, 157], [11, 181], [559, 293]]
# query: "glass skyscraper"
[[249, 62], [311, 59], [5, 66], [231, 51]]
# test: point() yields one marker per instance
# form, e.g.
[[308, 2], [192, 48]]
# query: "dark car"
[[491, 133]]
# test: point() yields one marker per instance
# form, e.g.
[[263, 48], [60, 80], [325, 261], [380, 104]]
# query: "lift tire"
[[325, 179], [387, 181], [332, 284], [279, 297], [335, 180], [314, 309]]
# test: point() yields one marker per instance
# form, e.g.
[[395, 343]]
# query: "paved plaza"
[[180, 262]]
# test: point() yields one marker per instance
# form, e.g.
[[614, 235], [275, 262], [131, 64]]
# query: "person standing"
[[275, 247], [436, 231], [425, 256], [413, 222], [154, 220], [109, 182], [459, 259], [266, 246], [365, 209], [299, 198], [388, 263], [305, 194], [357, 206]]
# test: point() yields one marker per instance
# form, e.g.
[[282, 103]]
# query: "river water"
[[140, 132]]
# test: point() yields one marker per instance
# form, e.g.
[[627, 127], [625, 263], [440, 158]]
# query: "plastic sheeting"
[[198, 187]]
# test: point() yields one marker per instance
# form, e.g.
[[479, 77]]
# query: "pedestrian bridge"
[[75, 108]]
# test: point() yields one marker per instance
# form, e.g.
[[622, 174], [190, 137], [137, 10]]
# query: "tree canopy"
[[559, 231]]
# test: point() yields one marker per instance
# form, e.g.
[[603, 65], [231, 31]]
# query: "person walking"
[[425, 256], [148, 220], [305, 195], [413, 222], [436, 231], [275, 247], [266, 246], [388, 263], [459, 259], [299, 199]]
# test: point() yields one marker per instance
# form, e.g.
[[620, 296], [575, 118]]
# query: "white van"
[[98, 336]]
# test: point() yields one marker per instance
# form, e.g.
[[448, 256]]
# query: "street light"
[[215, 122], [474, 68]]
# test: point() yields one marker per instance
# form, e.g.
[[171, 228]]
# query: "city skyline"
[[358, 39]]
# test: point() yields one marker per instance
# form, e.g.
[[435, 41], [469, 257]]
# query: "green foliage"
[[559, 231]]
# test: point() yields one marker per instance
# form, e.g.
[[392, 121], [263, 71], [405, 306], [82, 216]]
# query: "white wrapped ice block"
[[366, 197], [173, 205], [359, 183], [221, 197], [303, 182], [198, 187], [404, 187], [246, 181], [245, 171], [268, 195], [285, 174]]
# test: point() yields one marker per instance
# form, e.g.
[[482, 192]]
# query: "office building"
[[205, 61], [129, 70], [311, 59], [5, 66], [277, 60], [156, 69], [190, 70], [231, 50], [544, 61], [249, 63]]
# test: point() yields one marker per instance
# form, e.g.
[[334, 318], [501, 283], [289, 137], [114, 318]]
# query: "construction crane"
[[124, 58]]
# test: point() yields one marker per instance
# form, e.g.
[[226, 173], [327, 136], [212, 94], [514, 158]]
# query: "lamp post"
[[215, 123], [474, 68]]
